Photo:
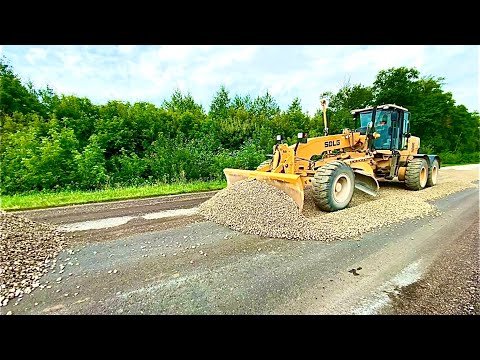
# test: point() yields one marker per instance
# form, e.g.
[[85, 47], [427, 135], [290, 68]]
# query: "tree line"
[[54, 141]]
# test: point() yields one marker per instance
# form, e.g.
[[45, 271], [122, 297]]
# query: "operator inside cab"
[[382, 125]]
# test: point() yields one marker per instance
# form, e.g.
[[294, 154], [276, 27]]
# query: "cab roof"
[[384, 107]]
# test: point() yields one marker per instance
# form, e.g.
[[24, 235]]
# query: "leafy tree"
[[15, 97], [182, 103], [265, 107], [397, 86], [347, 98], [220, 105]]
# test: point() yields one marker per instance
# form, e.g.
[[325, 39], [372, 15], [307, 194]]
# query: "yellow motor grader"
[[380, 148]]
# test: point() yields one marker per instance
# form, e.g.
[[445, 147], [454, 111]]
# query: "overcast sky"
[[151, 73]]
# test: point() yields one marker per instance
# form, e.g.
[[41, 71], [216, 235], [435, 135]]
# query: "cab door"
[[405, 130]]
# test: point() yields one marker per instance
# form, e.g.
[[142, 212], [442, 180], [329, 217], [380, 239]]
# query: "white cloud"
[[383, 57], [70, 60], [448, 51], [35, 54], [177, 52], [233, 54], [126, 49], [278, 86], [211, 71]]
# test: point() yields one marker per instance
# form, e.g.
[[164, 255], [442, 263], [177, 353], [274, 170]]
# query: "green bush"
[[91, 171], [32, 163], [459, 158], [129, 169]]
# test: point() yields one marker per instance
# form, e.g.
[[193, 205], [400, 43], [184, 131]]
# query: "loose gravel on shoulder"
[[27, 249], [257, 208]]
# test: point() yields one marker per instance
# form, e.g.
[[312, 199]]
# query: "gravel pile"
[[27, 249], [257, 208]]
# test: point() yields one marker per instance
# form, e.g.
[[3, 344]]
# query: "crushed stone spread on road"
[[26, 249], [256, 208]]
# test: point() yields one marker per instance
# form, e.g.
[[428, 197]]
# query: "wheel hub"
[[423, 176], [338, 187], [341, 188], [434, 174]]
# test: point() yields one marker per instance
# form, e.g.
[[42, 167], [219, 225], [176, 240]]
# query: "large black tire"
[[266, 162], [416, 175], [333, 186], [433, 174]]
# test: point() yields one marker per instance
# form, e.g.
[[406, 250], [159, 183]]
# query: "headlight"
[[302, 135]]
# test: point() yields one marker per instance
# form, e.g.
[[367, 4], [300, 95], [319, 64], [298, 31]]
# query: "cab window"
[[383, 122]]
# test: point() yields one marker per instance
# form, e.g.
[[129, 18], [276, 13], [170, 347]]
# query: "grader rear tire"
[[433, 174], [416, 175], [333, 186]]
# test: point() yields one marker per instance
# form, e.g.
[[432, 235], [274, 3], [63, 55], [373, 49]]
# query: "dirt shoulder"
[[86, 212]]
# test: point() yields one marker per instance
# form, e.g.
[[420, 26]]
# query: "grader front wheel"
[[333, 186]]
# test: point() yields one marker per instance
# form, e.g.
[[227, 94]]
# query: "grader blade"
[[290, 184], [366, 182]]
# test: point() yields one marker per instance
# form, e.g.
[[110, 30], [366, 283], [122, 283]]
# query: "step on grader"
[[380, 148]]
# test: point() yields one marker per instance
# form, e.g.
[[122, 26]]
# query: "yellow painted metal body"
[[293, 167]]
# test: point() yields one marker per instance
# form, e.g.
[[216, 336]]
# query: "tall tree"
[[14, 95], [397, 86], [265, 106], [182, 103], [220, 105]]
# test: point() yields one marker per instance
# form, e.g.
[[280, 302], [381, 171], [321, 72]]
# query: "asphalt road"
[[156, 256]]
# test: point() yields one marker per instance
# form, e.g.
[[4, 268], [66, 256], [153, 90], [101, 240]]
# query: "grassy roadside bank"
[[51, 199]]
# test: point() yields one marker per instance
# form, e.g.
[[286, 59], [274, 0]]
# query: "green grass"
[[52, 199]]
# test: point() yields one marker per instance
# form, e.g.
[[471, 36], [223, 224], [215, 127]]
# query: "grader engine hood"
[[291, 184]]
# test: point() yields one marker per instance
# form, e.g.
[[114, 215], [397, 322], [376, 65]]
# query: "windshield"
[[382, 117], [383, 121]]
